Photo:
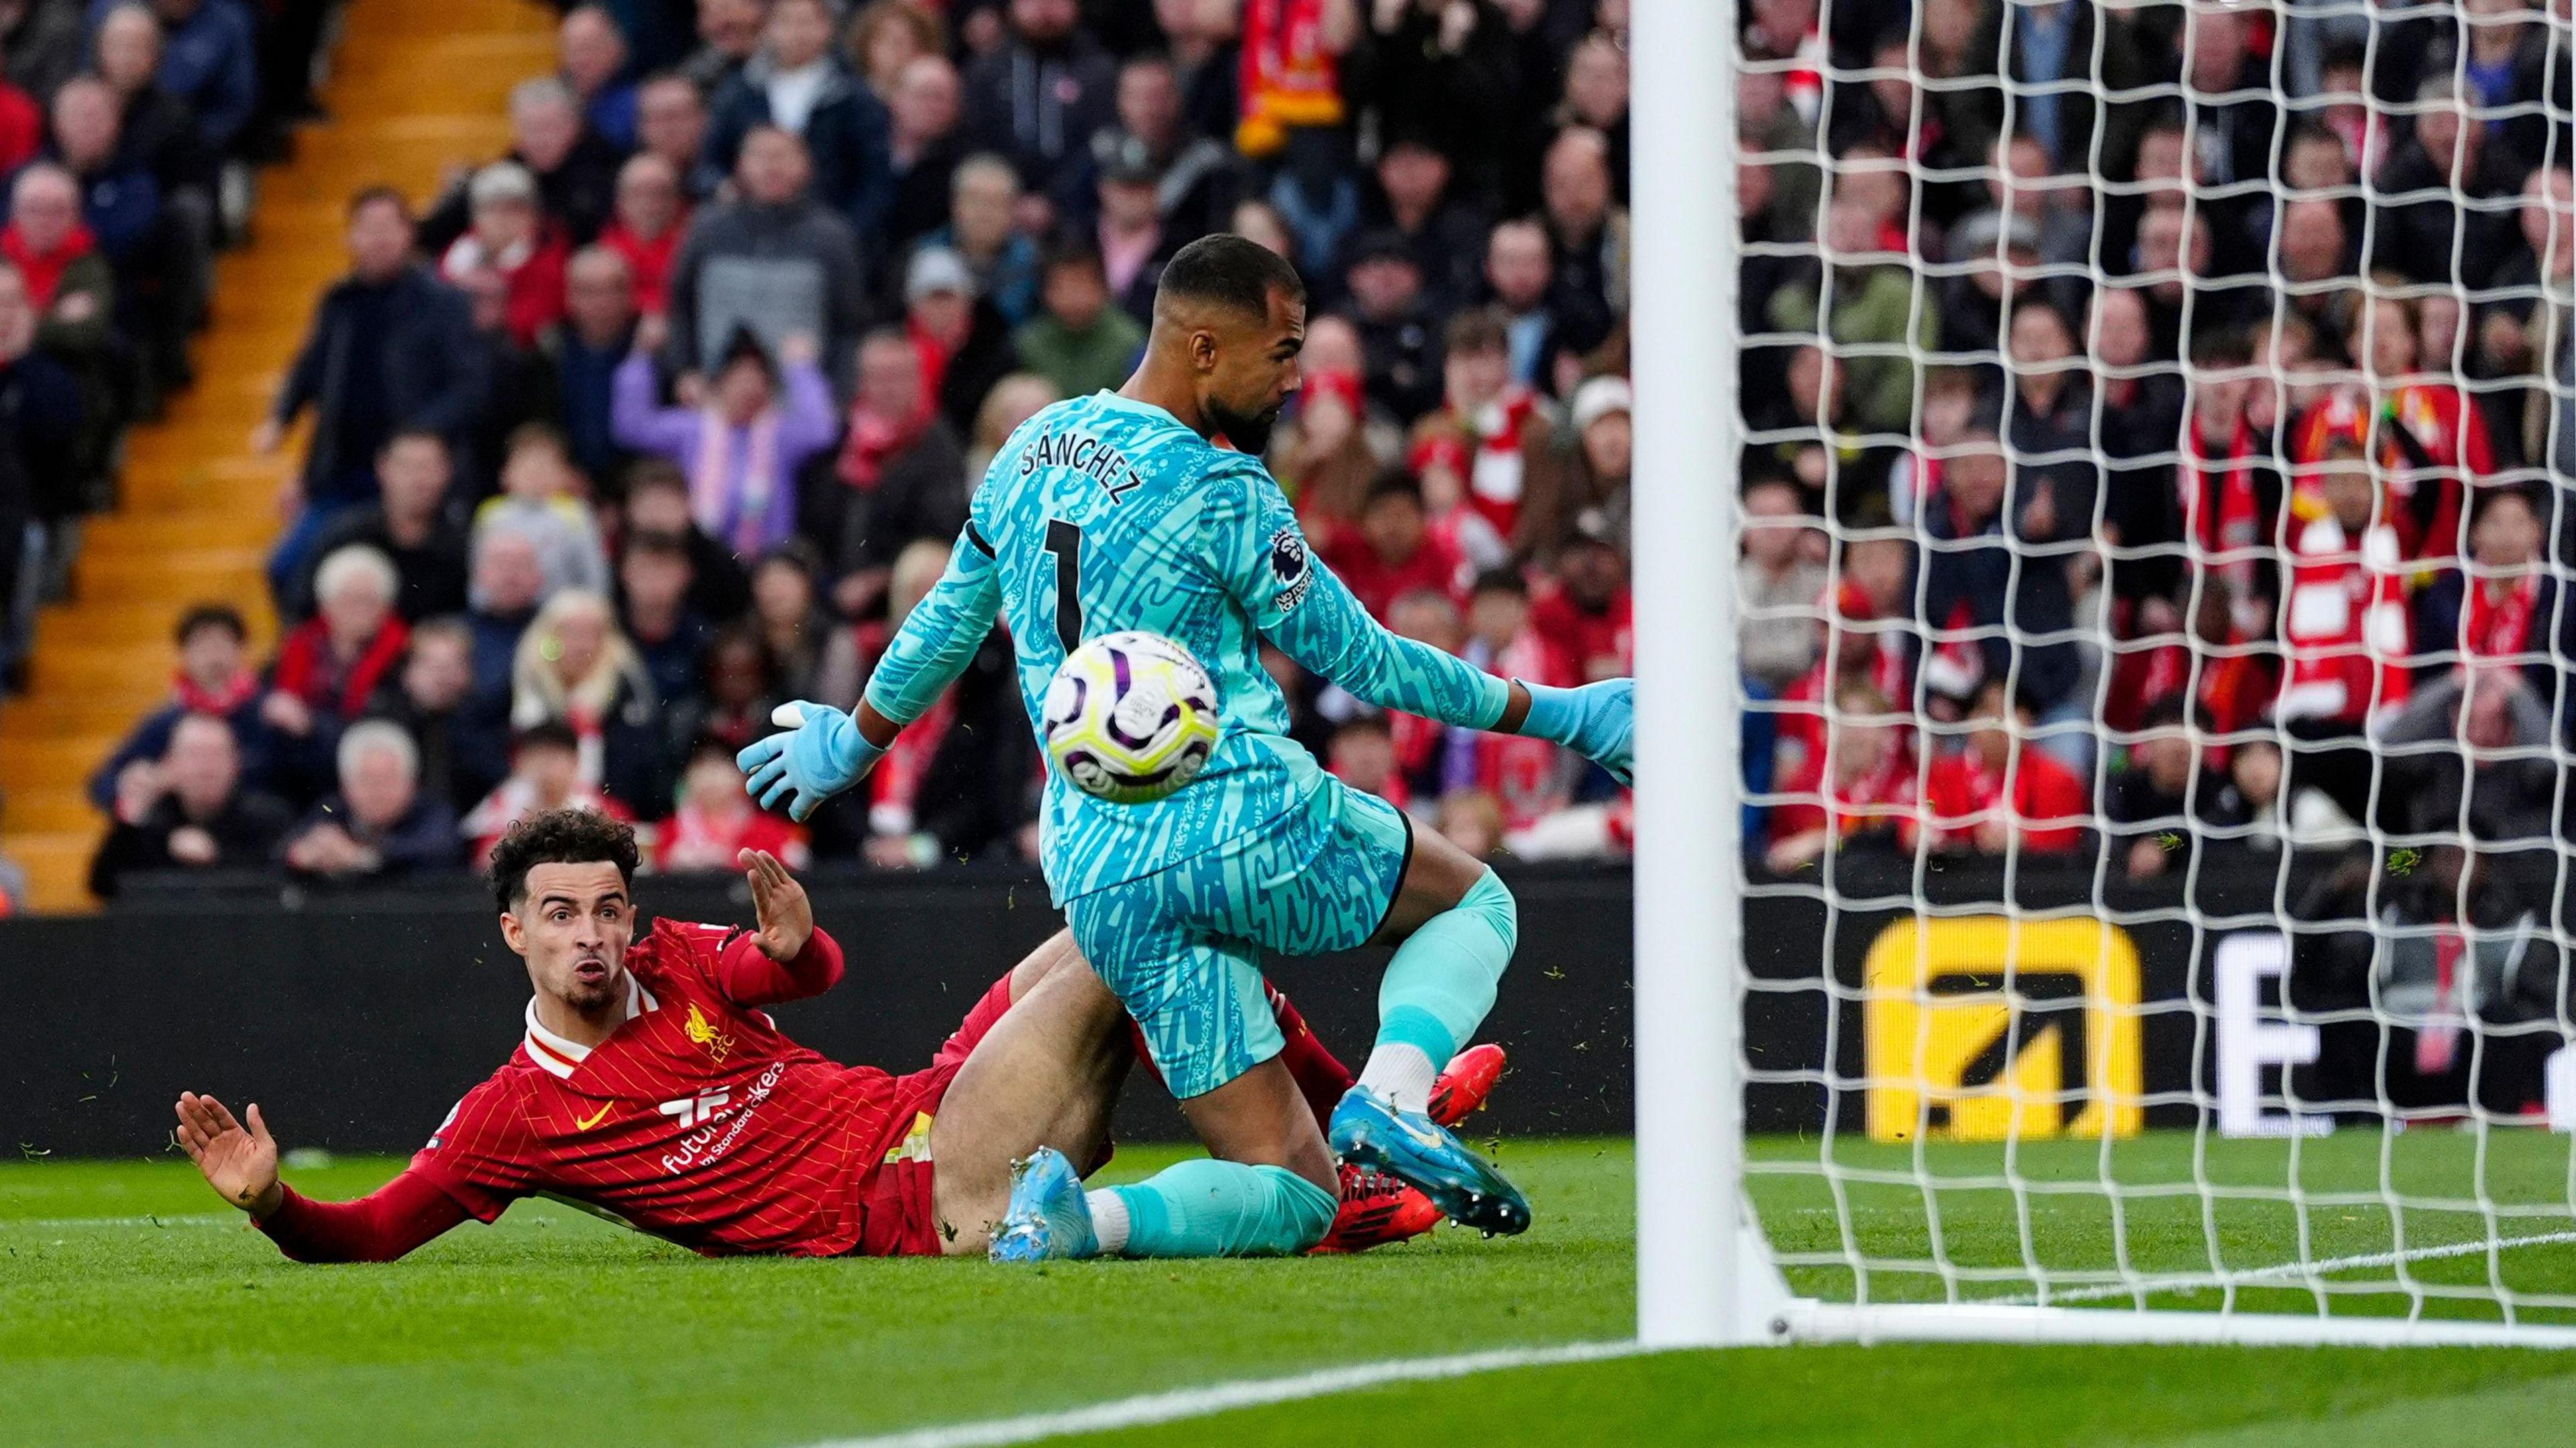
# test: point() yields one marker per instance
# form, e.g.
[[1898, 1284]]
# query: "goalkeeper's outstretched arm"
[[1298, 604]]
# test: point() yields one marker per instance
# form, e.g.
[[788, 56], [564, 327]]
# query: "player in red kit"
[[650, 1085]]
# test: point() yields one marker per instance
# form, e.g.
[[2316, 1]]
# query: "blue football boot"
[[1049, 1215], [1368, 1131]]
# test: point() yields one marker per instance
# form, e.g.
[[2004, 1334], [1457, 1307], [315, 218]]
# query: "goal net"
[[2152, 644]]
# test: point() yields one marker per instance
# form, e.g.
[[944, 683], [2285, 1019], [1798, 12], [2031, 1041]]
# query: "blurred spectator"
[[2165, 794], [728, 32], [42, 40], [509, 236], [1597, 472], [1396, 325], [1391, 552], [1515, 473], [1040, 96], [215, 679], [786, 611], [1778, 587], [541, 500], [1860, 787], [2471, 755], [188, 811], [2438, 214], [329, 666], [1527, 777], [657, 501], [2048, 415], [1445, 72], [1588, 615], [1415, 206], [574, 166], [575, 668], [463, 749], [1995, 795], [981, 232], [1520, 277], [1134, 245], [715, 821], [55, 396], [1872, 305], [1588, 237], [2344, 630], [509, 583], [525, 390], [885, 37], [652, 216], [798, 85], [545, 774], [120, 202], [1362, 756], [1322, 457], [207, 59], [2013, 609], [744, 446], [590, 54], [1472, 820], [1081, 342], [410, 524], [2509, 608], [595, 337], [904, 471], [156, 132], [773, 261], [2523, 336], [963, 338], [653, 577], [928, 106], [738, 689], [378, 823], [1015, 399], [22, 121], [671, 127], [389, 348], [1193, 174]]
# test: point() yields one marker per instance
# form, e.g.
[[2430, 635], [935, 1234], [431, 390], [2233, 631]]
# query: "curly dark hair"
[[560, 837]]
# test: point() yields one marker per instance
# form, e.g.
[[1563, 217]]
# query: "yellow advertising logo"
[[1985, 1028], [719, 1045]]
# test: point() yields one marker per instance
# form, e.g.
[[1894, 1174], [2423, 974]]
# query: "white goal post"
[[1747, 1240]]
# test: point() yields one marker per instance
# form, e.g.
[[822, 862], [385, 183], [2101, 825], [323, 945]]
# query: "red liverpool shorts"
[[899, 1220]]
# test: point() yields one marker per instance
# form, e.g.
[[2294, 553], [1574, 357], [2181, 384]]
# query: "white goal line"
[[1147, 1409], [2286, 1272]]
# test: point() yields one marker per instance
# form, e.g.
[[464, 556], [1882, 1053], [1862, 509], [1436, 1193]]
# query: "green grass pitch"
[[134, 1309]]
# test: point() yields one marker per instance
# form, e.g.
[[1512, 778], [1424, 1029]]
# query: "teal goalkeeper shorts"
[[1182, 946]]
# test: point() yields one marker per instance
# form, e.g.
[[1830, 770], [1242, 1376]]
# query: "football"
[[1130, 717]]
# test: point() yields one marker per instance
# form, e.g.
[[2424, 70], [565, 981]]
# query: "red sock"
[[1320, 1076]]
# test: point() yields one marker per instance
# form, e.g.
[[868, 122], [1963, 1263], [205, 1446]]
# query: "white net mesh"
[[2156, 648]]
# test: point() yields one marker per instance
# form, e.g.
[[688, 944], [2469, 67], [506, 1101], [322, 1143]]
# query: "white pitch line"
[[1152, 1408], [166, 1219], [2285, 1272]]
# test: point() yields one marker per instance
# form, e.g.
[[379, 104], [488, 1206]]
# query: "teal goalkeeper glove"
[[1597, 721], [822, 754]]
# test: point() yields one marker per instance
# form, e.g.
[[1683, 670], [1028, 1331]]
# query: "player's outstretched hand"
[[821, 754], [1597, 721], [240, 1163], [778, 902]]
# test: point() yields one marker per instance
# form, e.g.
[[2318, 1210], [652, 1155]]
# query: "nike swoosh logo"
[[601, 1116], [1428, 1141]]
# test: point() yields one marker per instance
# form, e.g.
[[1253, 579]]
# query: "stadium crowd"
[[671, 412], [2225, 421]]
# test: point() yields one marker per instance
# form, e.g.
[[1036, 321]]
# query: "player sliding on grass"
[[651, 1086], [1121, 511]]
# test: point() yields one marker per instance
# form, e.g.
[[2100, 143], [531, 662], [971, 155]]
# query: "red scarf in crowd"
[[648, 263], [2499, 628], [1288, 78], [2232, 525], [306, 668], [235, 692], [876, 440], [44, 270]]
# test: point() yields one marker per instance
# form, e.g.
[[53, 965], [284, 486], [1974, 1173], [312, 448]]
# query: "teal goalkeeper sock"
[[1222, 1209], [1438, 989]]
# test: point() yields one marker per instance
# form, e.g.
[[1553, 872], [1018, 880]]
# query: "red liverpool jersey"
[[696, 1120]]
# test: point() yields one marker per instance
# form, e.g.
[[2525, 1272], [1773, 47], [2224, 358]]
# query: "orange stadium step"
[[418, 89]]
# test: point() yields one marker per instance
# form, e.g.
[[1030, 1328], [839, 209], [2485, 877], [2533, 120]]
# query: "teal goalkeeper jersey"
[[1102, 514]]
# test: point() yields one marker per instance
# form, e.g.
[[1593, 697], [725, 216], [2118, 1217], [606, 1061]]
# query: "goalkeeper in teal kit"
[[1117, 511]]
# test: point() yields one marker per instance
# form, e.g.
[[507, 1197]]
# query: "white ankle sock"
[[1402, 1073], [1108, 1220]]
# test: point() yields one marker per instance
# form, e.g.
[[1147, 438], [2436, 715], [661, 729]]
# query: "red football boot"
[[1377, 1209], [1460, 1091]]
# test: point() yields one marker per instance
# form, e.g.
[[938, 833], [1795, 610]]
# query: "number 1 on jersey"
[[1064, 540]]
